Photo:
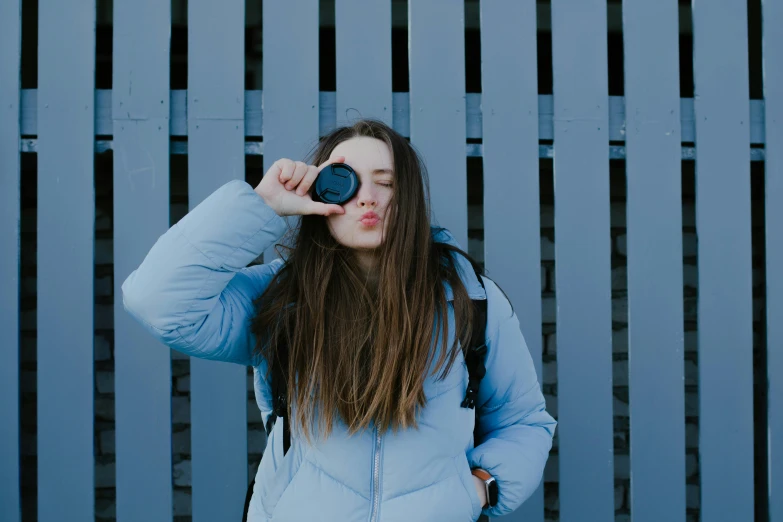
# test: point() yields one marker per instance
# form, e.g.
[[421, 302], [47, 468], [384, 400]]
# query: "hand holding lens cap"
[[336, 184]]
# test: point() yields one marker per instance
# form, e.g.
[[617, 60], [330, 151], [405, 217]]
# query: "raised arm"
[[193, 291]]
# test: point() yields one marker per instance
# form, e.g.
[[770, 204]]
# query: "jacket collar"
[[467, 274]]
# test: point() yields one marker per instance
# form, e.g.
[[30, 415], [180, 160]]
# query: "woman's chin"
[[366, 241], [365, 246], [360, 238]]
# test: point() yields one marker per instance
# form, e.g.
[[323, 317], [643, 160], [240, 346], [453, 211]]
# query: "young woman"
[[368, 311]]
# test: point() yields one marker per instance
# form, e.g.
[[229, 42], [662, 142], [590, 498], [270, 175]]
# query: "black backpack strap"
[[477, 350], [476, 353], [279, 410], [279, 386], [286, 435], [248, 496]]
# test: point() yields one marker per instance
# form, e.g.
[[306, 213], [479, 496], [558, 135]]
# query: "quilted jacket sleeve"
[[515, 429], [194, 291]]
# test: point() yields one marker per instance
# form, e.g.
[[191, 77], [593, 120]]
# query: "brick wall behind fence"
[[104, 343]]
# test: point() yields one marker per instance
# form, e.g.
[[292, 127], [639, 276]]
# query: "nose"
[[366, 198]]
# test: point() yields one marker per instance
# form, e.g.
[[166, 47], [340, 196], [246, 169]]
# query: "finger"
[[307, 181], [276, 169], [336, 159], [287, 171], [322, 209], [299, 172]]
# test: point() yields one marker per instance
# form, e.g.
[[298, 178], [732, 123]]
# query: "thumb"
[[323, 209]]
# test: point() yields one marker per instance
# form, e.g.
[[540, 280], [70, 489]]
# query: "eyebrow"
[[383, 171]]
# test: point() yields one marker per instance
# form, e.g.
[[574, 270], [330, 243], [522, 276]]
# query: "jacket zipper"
[[376, 477]]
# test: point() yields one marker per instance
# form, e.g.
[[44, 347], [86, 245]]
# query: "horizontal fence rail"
[[254, 120]]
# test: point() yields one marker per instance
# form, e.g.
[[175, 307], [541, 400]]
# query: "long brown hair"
[[358, 351]]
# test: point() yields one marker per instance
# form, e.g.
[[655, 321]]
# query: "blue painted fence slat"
[[654, 221], [582, 262], [512, 245], [291, 99], [436, 37], [364, 69], [142, 366], [216, 155], [10, 215], [773, 97], [725, 306], [66, 218]]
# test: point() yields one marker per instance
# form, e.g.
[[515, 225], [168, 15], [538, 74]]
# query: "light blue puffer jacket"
[[195, 293]]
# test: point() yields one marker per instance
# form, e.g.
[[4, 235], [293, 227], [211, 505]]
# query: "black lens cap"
[[336, 184]]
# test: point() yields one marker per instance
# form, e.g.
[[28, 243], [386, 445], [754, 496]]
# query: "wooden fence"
[[508, 125]]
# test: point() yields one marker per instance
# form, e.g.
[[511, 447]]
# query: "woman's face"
[[364, 224]]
